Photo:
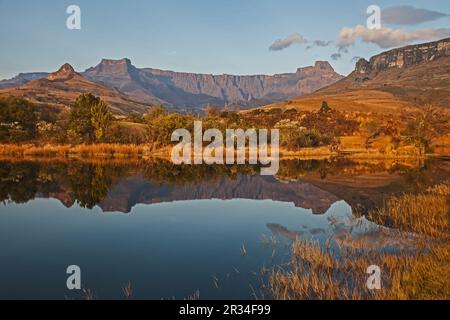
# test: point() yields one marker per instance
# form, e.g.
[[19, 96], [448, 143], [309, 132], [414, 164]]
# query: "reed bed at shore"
[[113, 150], [315, 273], [102, 150], [422, 272], [426, 213]]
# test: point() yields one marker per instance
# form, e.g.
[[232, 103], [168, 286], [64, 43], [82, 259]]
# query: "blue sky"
[[207, 36]]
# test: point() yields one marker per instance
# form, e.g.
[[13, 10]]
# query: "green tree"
[[154, 112], [101, 120], [89, 119], [160, 129], [80, 122]]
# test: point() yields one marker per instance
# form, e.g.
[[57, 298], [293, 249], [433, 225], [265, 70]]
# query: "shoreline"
[[132, 151]]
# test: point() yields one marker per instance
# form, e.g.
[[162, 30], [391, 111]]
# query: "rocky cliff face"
[[408, 77], [405, 57], [191, 90], [231, 88], [197, 90]]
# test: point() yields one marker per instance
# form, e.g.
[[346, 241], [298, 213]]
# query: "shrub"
[[293, 136], [17, 120], [325, 107]]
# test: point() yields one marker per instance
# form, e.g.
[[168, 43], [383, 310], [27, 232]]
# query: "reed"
[[103, 150], [317, 274], [426, 213], [421, 272]]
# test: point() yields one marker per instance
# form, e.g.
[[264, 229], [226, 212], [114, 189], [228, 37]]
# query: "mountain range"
[[393, 81], [130, 89], [390, 82]]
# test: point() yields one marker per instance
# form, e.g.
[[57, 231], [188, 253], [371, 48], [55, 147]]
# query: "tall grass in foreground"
[[426, 213], [315, 272]]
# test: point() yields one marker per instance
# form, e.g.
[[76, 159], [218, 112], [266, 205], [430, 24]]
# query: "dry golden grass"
[[102, 150], [316, 274], [108, 150], [375, 101], [312, 153], [422, 272], [425, 214]]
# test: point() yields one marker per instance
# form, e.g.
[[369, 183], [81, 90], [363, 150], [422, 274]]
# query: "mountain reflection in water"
[[117, 186], [186, 227]]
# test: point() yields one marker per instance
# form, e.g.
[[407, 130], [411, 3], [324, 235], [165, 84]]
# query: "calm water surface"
[[172, 232]]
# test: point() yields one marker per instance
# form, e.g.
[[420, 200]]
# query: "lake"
[[176, 232]]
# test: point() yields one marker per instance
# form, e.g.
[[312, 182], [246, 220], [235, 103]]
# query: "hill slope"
[[392, 81], [61, 88]]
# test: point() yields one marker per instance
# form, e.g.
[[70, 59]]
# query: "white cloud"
[[281, 44], [388, 38]]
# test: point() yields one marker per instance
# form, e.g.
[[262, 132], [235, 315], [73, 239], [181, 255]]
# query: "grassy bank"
[[82, 150], [110, 150]]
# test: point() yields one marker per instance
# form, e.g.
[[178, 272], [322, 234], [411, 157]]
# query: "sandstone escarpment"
[[417, 75], [405, 57], [181, 89]]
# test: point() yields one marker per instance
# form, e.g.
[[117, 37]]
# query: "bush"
[[325, 107], [304, 138], [50, 132], [161, 125], [17, 120]]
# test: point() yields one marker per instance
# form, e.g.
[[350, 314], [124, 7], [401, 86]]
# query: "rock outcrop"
[[405, 57], [395, 80], [197, 90], [64, 73]]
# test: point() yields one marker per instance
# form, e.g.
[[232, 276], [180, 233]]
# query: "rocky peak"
[[65, 72], [405, 57], [323, 65], [362, 66], [110, 66], [112, 62]]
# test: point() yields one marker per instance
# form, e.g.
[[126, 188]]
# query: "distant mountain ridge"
[[194, 91], [197, 90], [21, 79], [61, 88]]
